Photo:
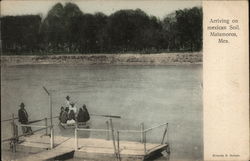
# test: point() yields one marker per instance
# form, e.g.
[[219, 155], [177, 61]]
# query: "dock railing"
[[116, 141], [15, 137], [40, 129], [153, 128], [115, 134], [110, 129], [143, 132]]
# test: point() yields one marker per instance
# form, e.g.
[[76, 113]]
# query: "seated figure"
[[72, 118], [83, 115], [64, 116]]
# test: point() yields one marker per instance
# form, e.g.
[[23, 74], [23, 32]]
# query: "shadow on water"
[[159, 155], [65, 156]]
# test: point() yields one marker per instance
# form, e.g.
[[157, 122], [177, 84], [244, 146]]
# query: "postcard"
[[102, 80]]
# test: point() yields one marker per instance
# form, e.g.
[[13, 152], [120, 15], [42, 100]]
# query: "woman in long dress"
[[83, 114]]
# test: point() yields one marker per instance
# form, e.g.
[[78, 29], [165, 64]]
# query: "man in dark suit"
[[23, 119]]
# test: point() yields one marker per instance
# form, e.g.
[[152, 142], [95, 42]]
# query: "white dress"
[[67, 103], [73, 108]]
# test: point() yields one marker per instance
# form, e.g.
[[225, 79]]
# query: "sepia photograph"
[[101, 80]]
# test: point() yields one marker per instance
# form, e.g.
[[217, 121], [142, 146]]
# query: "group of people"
[[70, 114]]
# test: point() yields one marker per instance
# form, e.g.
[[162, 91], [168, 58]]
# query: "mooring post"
[[50, 102], [16, 132], [145, 142], [118, 146], [164, 133], [76, 124], [142, 129], [76, 139], [13, 134], [107, 122], [46, 124], [113, 137], [167, 134], [51, 137]]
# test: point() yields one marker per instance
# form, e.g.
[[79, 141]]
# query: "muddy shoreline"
[[108, 59]]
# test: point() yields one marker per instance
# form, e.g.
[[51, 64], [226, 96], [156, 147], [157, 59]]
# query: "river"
[[148, 94]]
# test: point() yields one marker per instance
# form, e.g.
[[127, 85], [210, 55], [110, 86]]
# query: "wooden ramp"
[[88, 148]]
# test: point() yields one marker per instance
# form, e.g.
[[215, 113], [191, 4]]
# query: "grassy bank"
[[112, 59]]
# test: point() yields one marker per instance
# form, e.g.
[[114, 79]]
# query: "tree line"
[[66, 29]]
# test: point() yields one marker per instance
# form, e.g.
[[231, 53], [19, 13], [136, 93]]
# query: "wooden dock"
[[40, 146], [88, 148]]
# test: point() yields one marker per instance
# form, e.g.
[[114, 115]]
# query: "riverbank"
[[110, 59]]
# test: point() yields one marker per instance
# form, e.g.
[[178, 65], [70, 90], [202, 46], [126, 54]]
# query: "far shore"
[[108, 59]]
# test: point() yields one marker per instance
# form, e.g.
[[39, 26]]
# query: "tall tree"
[[133, 30], [53, 28], [171, 38], [189, 24], [71, 10], [68, 29], [20, 33]]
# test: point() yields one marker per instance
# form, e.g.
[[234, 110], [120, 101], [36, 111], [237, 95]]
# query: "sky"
[[158, 8]]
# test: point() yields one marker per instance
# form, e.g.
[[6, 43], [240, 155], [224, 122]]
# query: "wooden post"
[[76, 123], [113, 137], [142, 129], [51, 137], [16, 132], [118, 146], [164, 133], [145, 142], [167, 134], [76, 139], [13, 141], [1, 48], [107, 129], [46, 124], [50, 103]]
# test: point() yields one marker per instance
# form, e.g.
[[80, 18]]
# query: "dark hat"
[[67, 97], [83, 105], [22, 104]]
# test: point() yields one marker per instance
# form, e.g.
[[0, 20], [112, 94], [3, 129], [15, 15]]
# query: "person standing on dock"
[[23, 119]]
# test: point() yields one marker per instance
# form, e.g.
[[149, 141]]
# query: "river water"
[[148, 94]]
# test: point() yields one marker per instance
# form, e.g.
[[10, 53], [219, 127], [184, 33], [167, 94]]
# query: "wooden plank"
[[47, 155], [41, 138], [90, 146]]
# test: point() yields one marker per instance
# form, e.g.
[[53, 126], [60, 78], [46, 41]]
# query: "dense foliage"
[[66, 29]]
